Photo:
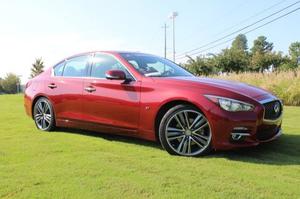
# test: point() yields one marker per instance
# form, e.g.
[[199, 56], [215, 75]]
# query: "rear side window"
[[76, 67], [58, 69]]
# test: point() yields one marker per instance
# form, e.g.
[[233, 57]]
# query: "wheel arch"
[[35, 99]]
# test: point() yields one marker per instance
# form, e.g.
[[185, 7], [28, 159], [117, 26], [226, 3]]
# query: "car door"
[[65, 88], [111, 103]]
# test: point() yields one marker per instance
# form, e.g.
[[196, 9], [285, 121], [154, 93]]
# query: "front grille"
[[273, 110]]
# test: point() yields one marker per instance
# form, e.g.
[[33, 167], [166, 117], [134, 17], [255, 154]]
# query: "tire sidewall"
[[52, 123], [162, 130]]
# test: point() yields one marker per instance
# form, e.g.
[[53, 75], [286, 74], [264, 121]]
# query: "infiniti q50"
[[152, 98]]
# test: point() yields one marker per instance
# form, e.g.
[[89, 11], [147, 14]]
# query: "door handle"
[[89, 89], [52, 86]]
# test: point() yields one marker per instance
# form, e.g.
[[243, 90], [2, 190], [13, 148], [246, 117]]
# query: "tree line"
[[239, 58], [11, 83]]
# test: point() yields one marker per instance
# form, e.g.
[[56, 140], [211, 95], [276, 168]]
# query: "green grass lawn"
[[76, 164]]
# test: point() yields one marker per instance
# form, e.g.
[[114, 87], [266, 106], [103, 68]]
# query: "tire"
[[184, 130], [43, 115]]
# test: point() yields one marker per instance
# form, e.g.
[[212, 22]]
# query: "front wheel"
[[43, 115], [185, 131]]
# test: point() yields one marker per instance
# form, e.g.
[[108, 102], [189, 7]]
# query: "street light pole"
[[172, 16], [165, 32], [174, 52]]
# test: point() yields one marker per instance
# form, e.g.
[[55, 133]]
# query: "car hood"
[[238, 87]]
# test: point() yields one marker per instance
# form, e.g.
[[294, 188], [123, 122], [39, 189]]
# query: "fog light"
[[240, 128], [239, 136], [240, 133]]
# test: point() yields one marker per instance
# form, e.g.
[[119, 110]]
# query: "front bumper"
[[278, 134], [242, 129]]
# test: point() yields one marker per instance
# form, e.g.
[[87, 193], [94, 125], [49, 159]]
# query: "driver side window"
[[102, 63]]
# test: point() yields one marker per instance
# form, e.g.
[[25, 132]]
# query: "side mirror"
[[115, 75]]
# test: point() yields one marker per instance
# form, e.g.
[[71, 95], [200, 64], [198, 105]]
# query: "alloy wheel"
[[43, 115], [188, 132]]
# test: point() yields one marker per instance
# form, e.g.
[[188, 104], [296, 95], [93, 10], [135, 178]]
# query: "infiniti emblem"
[[276, 107]]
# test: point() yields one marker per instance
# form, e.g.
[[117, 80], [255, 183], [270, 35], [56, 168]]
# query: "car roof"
[[113, 52], [106, 51]]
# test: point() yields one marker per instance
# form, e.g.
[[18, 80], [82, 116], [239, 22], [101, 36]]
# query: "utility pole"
[[172, 16], [165, 32]]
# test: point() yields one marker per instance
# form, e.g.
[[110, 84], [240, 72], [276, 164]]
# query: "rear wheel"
[[43, 115], [184, 130]]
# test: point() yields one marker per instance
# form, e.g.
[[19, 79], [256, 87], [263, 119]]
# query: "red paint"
[[130, 109], [115, 75]]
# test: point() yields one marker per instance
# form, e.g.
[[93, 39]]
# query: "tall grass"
[[285, 84]]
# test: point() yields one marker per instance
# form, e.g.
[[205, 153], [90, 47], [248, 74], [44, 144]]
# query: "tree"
[[262, 61], [231, 60], [240, 43], [37, 67], [1, 89], [200, 65], [11, 83], [261, 54], [261, 45], [294, 51]]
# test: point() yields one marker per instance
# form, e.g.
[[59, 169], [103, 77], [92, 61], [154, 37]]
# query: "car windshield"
[[153, 66]]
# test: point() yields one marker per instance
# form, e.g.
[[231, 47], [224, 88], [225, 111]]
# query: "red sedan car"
[[145, 96]]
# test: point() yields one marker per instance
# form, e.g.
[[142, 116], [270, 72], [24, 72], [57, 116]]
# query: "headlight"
[[230, 104]]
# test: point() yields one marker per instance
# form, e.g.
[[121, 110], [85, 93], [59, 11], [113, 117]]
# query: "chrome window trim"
[[89, 75]]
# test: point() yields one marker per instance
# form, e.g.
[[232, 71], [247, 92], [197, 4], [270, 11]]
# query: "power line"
[[251, 30], [222, 17], [248, 18], [252, 16], [239, 30]]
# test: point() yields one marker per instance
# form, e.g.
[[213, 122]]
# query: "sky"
[[56, 29]]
